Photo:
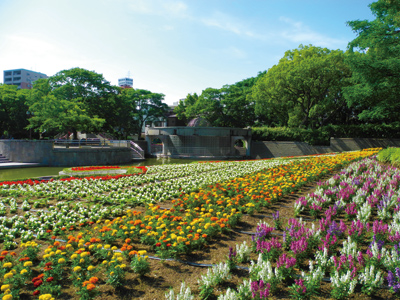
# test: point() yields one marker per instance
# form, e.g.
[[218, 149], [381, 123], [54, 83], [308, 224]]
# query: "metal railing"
[[90, 143], [200, 151], [136, 150]]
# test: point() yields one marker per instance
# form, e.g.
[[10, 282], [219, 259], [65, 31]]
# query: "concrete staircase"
[[3, 159]]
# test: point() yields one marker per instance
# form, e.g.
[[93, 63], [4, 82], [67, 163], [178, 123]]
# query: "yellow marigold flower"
[[46, 256], [90, 268], [77, 269], [8, 275], [7, 265], [27, 263], [5, 287], [104, 262], [83, 254], [107, 247], [91, 247], [120, 259], [46, 297], [73, 256], [52, 253], [23, 271], [114, 248], [123, 266], [112, 273], [68, 246], [80, 245], [81, 261], [58, 252], [61, 261], [99, 246], [7, 297], [13, 271], [47, 250], [142, 252]]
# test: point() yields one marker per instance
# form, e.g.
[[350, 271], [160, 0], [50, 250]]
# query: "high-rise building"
[[22, 78], [126, 83]]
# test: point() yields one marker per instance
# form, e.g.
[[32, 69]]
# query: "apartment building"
[[22, 78]]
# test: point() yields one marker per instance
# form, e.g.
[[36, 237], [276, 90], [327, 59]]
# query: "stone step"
[[3, 159]]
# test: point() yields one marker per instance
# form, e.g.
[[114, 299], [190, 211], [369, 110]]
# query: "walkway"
[[13, 165]]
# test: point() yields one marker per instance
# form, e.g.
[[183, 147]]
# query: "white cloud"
[[159, 7], [227, 23], [300, 33]]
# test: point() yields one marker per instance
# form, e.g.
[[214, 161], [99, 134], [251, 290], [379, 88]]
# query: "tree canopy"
[[304, 88], [229, 106], [375, 62]]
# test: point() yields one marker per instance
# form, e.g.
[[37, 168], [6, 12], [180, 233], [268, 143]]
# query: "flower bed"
[[195, 217]]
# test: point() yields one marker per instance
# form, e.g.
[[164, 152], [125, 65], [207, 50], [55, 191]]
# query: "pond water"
[[23, 173]]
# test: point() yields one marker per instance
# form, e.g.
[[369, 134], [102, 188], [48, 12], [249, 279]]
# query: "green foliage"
[[311, 136], [304, 89], [13, 111], [376, 81], [322, 135], [389, 155], [229, 106]]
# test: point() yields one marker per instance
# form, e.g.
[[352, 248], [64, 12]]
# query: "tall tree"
[[149, 108], [72, 100], [375, 62], [304, 88]]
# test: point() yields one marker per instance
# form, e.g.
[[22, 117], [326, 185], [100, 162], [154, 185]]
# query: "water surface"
[[23, 173]]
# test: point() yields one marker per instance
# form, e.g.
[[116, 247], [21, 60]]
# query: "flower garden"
[[261, 229]]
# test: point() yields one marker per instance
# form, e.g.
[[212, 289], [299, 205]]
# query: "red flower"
[[35, 293], [50, 279], [37, 283], [158, 244], [48, 264], [168, 245]]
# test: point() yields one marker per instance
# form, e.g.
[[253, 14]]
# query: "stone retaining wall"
[[42, 152], [268, 149]]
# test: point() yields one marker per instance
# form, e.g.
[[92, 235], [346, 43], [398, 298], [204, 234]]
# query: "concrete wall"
[[268, 149], [42, 152]]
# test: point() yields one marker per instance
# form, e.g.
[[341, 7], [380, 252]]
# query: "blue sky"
[[174, 47]]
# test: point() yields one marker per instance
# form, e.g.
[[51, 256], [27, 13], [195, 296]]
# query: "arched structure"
[[198, 142]]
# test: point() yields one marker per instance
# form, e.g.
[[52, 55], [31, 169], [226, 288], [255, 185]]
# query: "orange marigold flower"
[[90, 287], [85, 283], [128, 240], [93, 280]]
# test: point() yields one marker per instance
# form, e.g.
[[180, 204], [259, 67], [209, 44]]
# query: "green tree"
[[375, 62], [13, 111], [72, 100], [304, 88], [229, 106], [149, 108]]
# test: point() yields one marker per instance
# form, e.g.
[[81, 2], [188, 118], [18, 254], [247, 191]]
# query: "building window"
[[17, 78], [7, 73], [17, 73], [7, 79]]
